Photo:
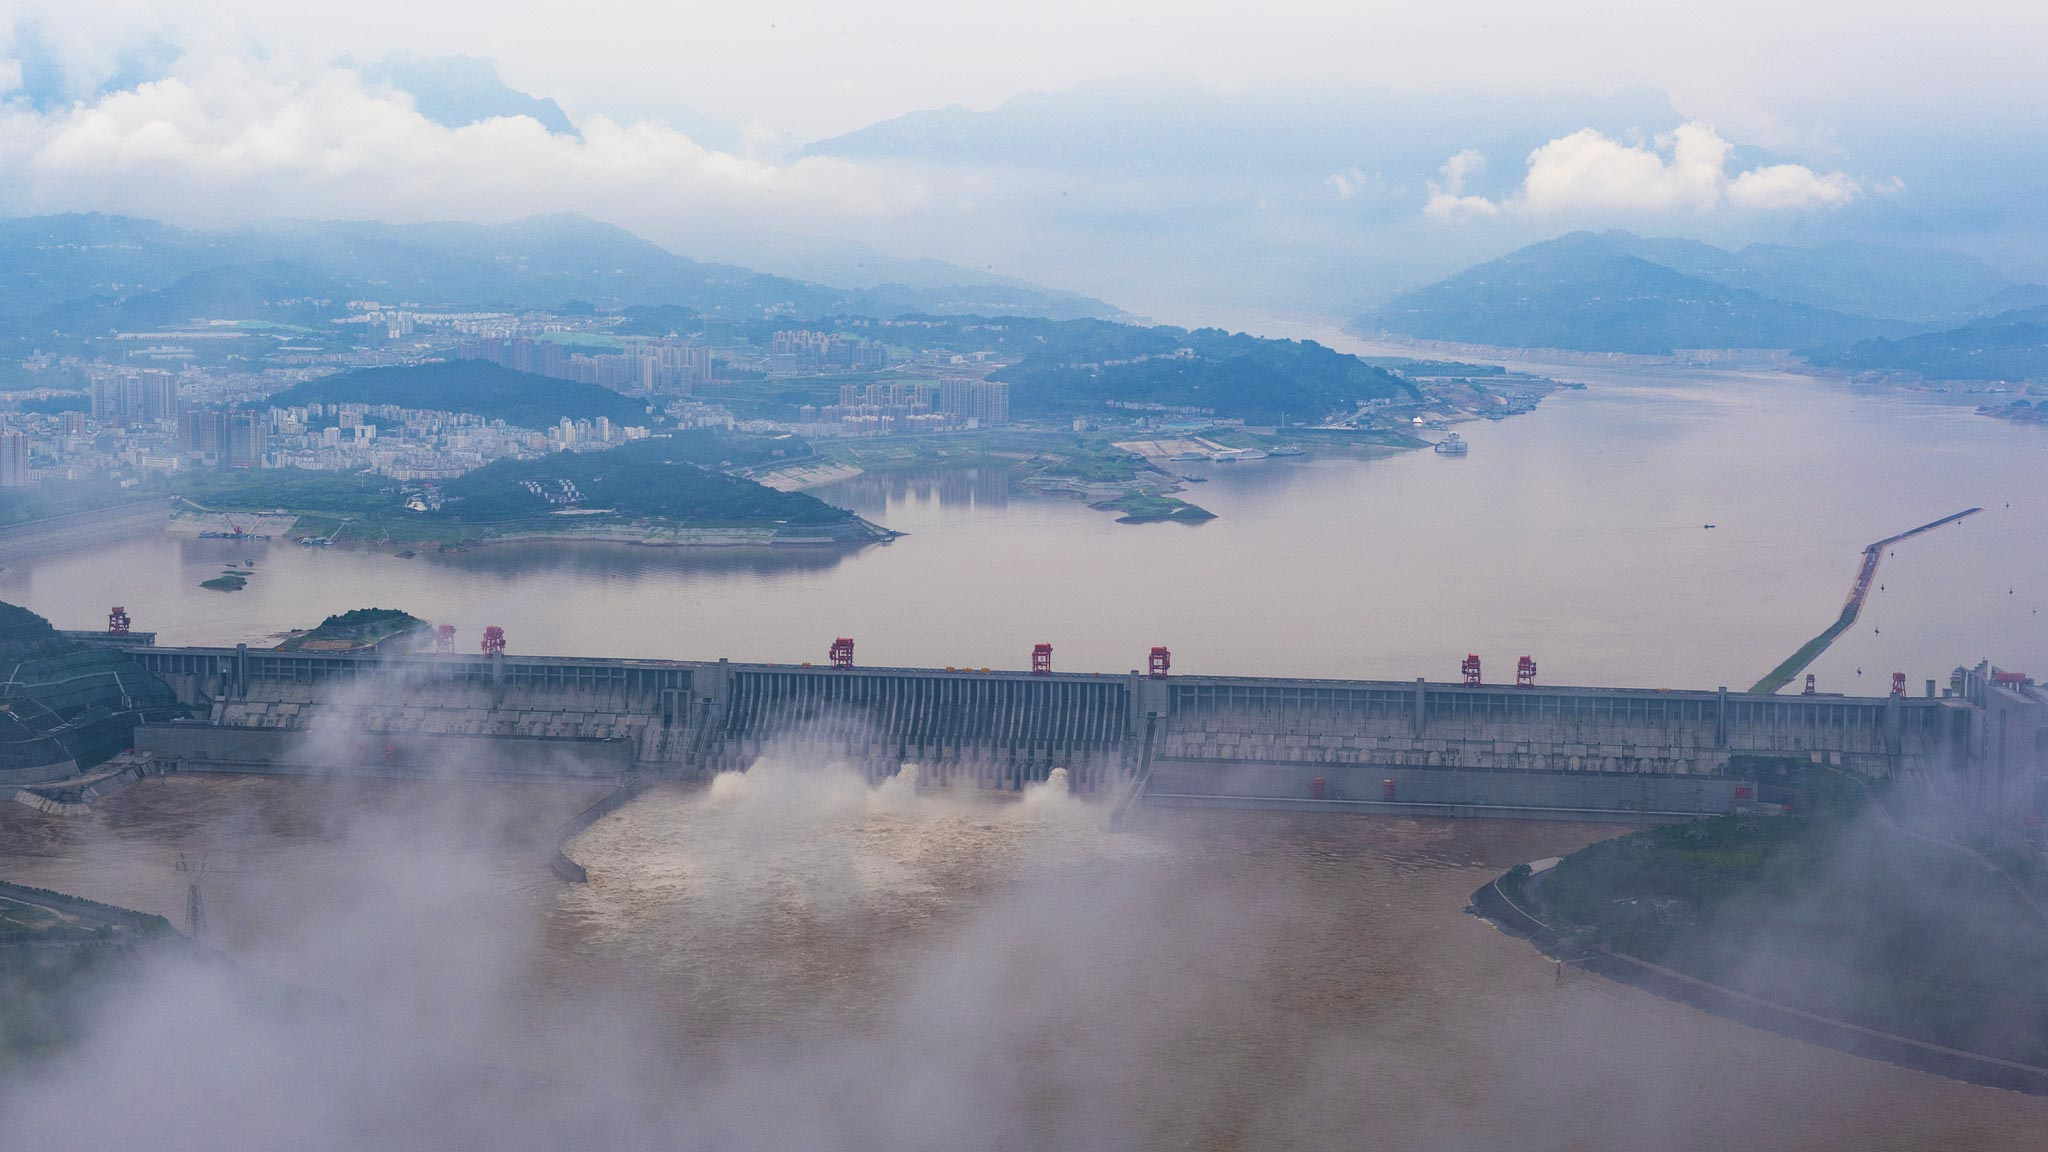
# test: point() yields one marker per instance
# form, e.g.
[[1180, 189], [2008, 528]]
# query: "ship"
[[1233, 455], [1288, 450], [1452, 445]]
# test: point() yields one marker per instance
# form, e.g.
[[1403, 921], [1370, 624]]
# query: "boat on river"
[[1452, 445]]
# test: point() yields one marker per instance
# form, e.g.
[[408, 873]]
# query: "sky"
[[699, 126]]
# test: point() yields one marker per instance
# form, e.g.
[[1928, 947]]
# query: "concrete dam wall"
[[1334, 742]]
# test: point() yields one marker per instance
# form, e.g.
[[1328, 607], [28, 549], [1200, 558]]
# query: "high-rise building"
[[248, 439], [13, 459]]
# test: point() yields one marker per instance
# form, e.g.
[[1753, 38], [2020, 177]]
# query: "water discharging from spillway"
[[797, 958], [801, 887]]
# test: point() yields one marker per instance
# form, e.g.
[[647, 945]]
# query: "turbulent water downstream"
[[793, 959]]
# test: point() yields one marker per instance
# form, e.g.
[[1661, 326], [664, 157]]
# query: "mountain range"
[[86, 274], [1619, 292]]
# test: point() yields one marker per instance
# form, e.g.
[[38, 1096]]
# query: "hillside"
[[2012, 346], [1078, 367], [489, 390], [1615, 292], [648, 479], [672, 481], [88, 274]]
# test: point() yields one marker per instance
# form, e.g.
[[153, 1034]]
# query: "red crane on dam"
[[1157, 664], [117, 621], [841, 653], [1525, 673], [1470, 668], [1898, 683], [494, 641], [444, 638], [1041, 659]]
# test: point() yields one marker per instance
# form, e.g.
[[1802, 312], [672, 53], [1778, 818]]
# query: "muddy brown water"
[[795, 959]]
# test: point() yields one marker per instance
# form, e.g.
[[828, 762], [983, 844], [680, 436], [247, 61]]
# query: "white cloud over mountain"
[[1685, 170], [228, 137]]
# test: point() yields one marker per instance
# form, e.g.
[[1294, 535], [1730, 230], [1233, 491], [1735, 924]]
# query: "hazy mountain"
[[1617, 292], [1886, 281], [2011, 299], [86, 274], [454, 91], [2011, 346]]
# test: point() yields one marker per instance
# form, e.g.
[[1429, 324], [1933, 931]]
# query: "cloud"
[[227, 137], [1684, 170], [1448, 199]]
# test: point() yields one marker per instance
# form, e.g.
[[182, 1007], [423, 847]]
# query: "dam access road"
[[1467, 749]]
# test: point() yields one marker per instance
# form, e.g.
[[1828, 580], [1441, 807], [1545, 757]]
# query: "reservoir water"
[[1573, 534]]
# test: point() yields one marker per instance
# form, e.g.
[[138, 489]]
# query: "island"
[[360, 629], [661, 491]]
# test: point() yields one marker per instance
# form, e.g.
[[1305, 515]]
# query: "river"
[[1574, 534], [792, 959]]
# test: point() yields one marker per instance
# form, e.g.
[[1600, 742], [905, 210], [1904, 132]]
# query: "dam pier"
[[1464, 749]]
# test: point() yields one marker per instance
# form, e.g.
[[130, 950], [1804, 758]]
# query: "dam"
[[1420, 746]]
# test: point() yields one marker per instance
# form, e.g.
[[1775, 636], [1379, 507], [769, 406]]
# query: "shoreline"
[[1491, 903]]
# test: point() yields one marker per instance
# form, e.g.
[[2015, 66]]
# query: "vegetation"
[[1839, 914], [656, 479], [19, 626], [1076, 367], [52, 405], [226, 582], [489, 390], [1613, 292], [669, 479], [1149, 508], [2012, 346], [357, 628]]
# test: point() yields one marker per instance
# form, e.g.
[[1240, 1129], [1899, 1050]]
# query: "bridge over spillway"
[[1417, 746]]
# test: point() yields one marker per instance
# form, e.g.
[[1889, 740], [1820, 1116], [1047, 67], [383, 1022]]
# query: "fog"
[[796, 958]]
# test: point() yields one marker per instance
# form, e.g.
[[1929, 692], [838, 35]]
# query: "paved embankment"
[[1859, 591], [21, 541]]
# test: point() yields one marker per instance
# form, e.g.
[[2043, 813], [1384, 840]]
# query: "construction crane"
[[494, 641], [1470, 668], [1525, 673], [1158, 662], [1041, 660], [841, 653], [117, 621]]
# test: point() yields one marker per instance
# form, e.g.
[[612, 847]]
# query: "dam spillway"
[[1415, 745]]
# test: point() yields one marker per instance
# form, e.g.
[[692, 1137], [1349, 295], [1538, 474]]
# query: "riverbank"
[[1840, 931], [84, 529], [648, 534]]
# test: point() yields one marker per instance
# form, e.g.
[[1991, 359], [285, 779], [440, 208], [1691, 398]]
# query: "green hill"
[[1614, 292], [656, 479], [477, 386], [2008, 347], [1078, 367]]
